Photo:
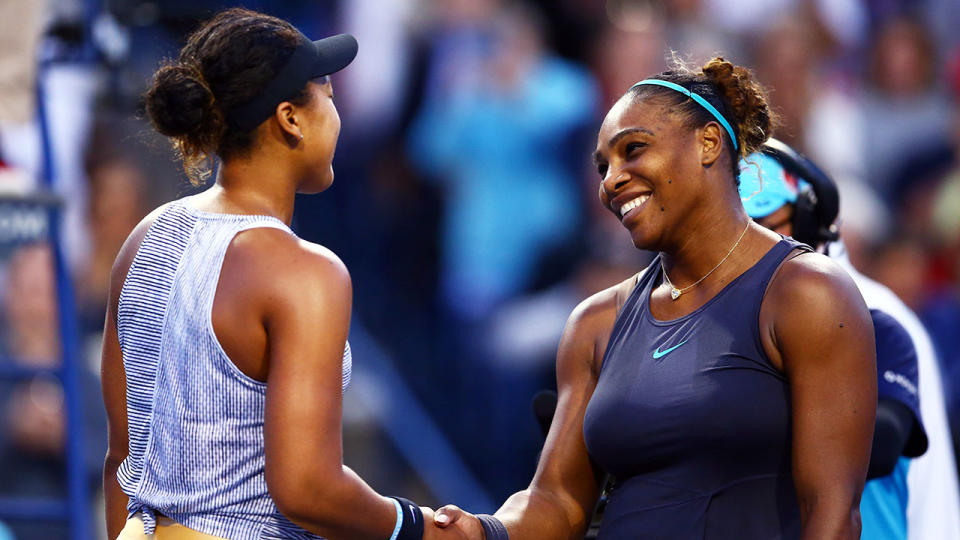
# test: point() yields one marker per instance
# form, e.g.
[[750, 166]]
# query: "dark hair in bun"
[[734, 92], [225, 63]]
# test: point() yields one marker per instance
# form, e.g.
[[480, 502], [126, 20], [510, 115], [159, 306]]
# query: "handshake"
[[450, 522]]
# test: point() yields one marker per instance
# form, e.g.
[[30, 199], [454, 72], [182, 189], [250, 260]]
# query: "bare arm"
[[306, 306], [823, 336], [307, 302], [113, 380]]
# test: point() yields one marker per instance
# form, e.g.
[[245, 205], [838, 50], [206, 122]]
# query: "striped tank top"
[[195, 421]]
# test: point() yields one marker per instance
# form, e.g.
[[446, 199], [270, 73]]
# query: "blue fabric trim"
[[696, 97], [396, 528]]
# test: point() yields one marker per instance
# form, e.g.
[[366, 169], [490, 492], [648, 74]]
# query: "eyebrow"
[[616, 138], [629, 131]]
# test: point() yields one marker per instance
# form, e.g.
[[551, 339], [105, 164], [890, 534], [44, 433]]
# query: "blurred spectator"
[[904, 110], [32, 413], [696, 31], [21, 25], [30, 316], [942, 310], [786, 60], [493, 131], [816, 103], [117, 204], [624, 54]]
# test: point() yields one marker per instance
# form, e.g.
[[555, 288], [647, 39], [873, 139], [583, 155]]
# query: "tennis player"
[[225, 355], [731, 387]]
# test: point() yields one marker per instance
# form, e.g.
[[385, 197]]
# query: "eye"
[[602, 169], [633, 146]]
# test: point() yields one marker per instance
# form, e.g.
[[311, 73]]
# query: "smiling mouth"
[[633, 204]]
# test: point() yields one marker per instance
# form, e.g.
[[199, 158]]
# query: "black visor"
[[311, 59]]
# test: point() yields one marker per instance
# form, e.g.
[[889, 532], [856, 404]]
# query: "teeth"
[[633, 203]]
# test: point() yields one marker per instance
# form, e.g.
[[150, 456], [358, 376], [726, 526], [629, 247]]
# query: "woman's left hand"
[[452, 518]]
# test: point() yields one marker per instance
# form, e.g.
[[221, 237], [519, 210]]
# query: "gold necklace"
[[675, 292]]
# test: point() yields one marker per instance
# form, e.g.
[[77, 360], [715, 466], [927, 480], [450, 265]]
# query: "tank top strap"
[[213, 235], [755, 281], [628, 315], [768, 264]]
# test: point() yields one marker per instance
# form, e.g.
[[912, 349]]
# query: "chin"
[[643, 239], [317, 185]]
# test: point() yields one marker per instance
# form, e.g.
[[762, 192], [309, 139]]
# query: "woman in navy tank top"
[[730, 387]]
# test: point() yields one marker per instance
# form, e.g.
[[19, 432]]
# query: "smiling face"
[[653, 170]]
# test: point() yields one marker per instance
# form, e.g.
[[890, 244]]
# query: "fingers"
[[448, 515]]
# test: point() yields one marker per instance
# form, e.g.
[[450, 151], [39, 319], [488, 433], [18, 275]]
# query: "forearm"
[[115, 500], [342, 507], [536, 513]]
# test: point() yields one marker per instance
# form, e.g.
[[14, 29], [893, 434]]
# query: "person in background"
[[493, 131], [904, 498], [33, 412]]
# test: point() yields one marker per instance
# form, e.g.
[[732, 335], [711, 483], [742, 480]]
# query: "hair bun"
[[747, 101], [179, 102]]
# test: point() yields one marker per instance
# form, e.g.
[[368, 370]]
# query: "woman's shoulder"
[[132, 244], [603, 306], [279, 257], [811, 274], [810, 288], [590, 324]]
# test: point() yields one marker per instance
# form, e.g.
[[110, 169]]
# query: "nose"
[[614, 182]]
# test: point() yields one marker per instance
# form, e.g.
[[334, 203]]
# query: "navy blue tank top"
[[693, 420]]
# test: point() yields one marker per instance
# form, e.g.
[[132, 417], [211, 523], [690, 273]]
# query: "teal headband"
[[696, 97]]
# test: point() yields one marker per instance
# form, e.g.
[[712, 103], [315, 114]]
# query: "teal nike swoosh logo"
[[660, 354]]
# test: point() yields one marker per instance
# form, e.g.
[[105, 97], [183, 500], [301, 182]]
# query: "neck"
[[249, 186], [697, 253]]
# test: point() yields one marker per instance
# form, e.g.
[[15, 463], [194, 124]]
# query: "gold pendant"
[[675, 293]]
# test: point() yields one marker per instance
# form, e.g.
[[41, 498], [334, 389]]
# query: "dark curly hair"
[[225, 63], [731, 89]]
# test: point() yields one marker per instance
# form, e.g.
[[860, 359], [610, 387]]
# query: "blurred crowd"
[[465, 204]]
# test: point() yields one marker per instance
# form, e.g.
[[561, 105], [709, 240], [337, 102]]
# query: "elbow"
[[297, 510], [113, 459], [310, 503]]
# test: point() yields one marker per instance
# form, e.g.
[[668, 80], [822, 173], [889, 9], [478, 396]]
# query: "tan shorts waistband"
[[167, 529]]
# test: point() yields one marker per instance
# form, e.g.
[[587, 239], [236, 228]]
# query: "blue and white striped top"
[[195, 421]]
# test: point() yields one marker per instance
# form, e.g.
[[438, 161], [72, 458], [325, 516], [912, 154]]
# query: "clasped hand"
[[450, 522]]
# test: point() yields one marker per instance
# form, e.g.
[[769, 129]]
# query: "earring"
[[301, 135]]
